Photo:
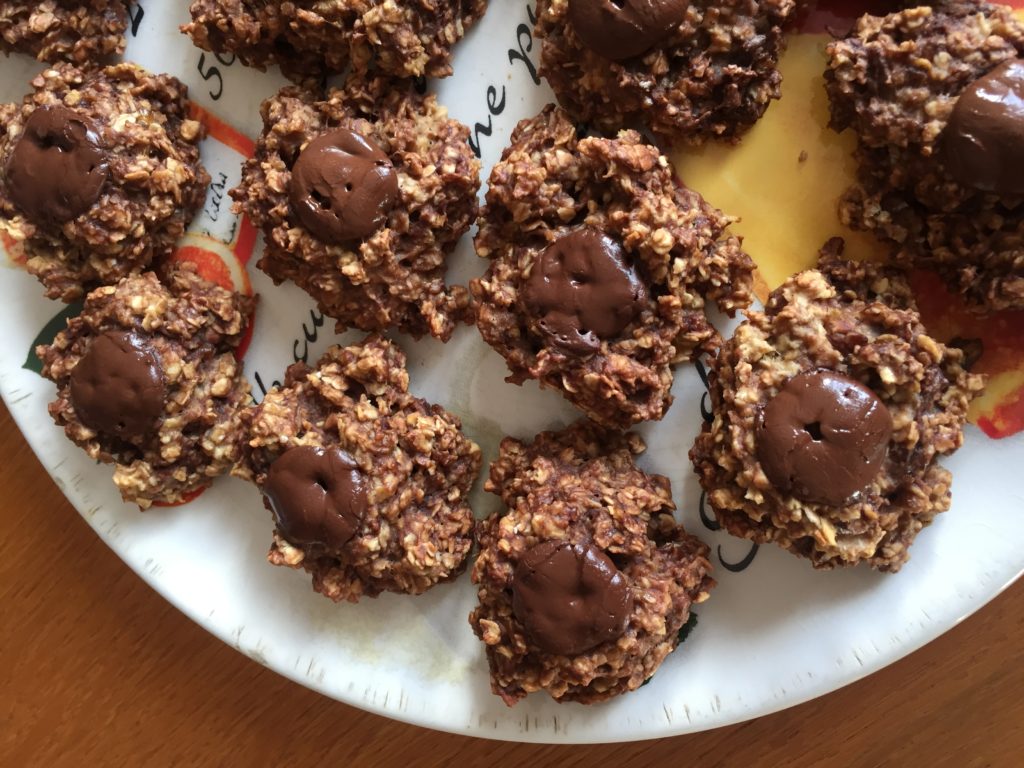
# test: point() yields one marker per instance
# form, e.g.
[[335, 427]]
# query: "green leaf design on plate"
[[48, 333], [684, 632], [687, 628]]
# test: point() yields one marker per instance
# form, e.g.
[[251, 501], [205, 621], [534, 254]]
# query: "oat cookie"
[[79, 31], [688, 71], [310, 39], [601, 262], [931, 177], [831, 409], [361, 196], [147, 380], [99, 174], [585, 580], [368, 484]]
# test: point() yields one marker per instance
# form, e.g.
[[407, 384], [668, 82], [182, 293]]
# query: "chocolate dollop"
[[57, 167], [582, 289], [343, 186], [317, 495], [983, 142], [621, 29], [570, 597], [823, 437], [118, 386]]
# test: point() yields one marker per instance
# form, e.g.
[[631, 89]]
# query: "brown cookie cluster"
[[147, 380], [79, 31], [831, 409], [906, 84], [585, 580], [99, 174], [361, 196], [367, 483], [398, 38], [600, 265], [688, 71]]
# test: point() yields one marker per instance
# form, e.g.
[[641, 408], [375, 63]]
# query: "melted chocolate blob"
[[343, 186], [570, 597], [823, 438], [621, 29], [983, 143], [317, 495], [581, 290], [117, 387], [57, 167]]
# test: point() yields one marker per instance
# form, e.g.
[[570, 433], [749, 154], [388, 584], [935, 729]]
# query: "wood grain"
[[99, 670]]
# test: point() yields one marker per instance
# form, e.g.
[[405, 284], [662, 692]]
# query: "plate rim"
[[19, 416]]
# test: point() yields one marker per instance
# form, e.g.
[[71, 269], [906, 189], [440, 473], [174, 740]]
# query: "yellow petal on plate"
[[784, 181], [785, 177]]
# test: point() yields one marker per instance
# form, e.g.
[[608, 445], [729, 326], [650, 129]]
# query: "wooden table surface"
[[98, 670]]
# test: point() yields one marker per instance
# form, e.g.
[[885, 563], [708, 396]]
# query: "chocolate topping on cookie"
[[118, 385], [317, 495], [57, 168], [581, 290], [823, 437], [570, 597], [983, 143], [343, 186], [621, 29]]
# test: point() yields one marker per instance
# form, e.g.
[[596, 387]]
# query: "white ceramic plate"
[[774, 632]]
